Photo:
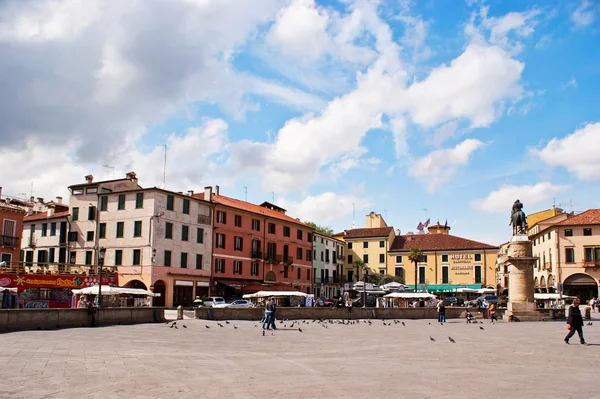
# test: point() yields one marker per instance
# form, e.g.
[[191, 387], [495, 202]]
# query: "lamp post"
[[365, 273], [101, 254]]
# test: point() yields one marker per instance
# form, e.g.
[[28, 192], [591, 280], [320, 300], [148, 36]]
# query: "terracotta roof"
[[12, 208], [247, 206], [44, 216], [368, 232], [435, 242], [591, 216]]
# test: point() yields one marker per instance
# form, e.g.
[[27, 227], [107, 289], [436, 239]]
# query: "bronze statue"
[[518, 220]]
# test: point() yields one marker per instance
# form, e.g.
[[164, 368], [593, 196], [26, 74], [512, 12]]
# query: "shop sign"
[[24, 281]]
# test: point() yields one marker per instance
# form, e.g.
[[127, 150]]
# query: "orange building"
[[257, 246]]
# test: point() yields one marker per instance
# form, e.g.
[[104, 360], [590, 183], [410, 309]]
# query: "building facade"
[[45, 242], [369, 245], [328, 265], [11, 223], [449, 262], [256, 245], [568, 250]]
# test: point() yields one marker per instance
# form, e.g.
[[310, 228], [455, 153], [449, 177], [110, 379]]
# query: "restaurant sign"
[[24, 281]]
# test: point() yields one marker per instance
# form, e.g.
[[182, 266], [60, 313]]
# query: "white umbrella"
[[262, 294], [108, 290], [9, 289], [410, 295]]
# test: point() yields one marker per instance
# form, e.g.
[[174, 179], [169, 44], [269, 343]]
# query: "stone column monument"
[[520, 262]]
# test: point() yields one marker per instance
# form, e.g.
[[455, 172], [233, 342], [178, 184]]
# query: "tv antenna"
[[108, 168], [246, 193], [164, 166]]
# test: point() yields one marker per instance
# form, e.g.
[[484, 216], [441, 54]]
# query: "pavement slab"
[[518, 360]]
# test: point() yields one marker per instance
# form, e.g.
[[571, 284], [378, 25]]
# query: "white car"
[[240, 303], [214, 302]]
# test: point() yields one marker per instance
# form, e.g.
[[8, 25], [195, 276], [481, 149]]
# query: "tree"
[[326, 230], [415, 257]]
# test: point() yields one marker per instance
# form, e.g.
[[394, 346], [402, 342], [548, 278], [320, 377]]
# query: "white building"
[[328, 265]]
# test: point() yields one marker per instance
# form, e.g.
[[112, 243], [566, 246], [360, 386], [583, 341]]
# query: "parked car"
[[240, 303], [324, 302], [214, 301], [453, 301], [371, 302], [489, 298]]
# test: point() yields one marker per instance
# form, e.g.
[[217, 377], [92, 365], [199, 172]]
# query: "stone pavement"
[[516, 360]]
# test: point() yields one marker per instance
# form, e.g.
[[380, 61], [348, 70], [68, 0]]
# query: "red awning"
[[268, 287], [237, 284]]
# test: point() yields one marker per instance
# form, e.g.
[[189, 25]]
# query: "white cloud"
[[543, 42], [443, 133], [502, 199], [584, 15], [577, 152], [570, 84], [440, 166], [324, 207]]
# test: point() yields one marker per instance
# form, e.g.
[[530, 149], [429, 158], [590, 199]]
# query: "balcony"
[[256, 255], [9, 241], [31, 242], [273, 258], [288, 260], [204, 219], [341, 257], [591, 263]]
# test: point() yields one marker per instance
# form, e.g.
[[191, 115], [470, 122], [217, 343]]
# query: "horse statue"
[[518, 220]]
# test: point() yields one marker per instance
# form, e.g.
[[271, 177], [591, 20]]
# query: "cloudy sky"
[[394, 106]]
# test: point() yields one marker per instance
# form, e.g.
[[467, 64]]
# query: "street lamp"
[[365, 274], [101, 254]]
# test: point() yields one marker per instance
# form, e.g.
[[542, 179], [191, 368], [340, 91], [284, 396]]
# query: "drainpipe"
[[264, 246], [484, 269], [213, 211], [558, 266], [436, 269]]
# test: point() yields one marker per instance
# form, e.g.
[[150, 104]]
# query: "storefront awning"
[[447, 287], [237, 284]]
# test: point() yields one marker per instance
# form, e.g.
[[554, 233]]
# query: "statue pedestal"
[[520, 263]]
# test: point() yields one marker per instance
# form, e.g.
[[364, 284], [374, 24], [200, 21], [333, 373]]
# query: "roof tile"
[[434, 242], [368, 232], [591, 216], [44, 216], [11, 207]]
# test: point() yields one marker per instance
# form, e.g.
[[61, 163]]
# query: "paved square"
[[516, 360]]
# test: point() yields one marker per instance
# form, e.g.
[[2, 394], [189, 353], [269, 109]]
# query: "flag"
[[420, 227], [446, 224], [426, 223]]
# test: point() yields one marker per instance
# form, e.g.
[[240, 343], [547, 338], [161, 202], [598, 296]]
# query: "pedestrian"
[[484, 308], [273, 312], [349, 306], [593, 303], [493, 312], [575, 322], [442, 315], [268, 312], [91, 309]]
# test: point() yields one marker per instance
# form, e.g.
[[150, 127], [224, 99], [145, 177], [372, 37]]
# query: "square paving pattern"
[[204, 360]]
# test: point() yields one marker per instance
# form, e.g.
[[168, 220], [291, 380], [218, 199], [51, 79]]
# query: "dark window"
[[53, 229], [102, 230], [254, 269], [237, 221], [299, 235], [366, 244], [445, 278], [350, 260], [137, 257], [421, 275], [272, 228], [570, 255], [89, 236], [399, 259], [221, 217], [587, 232], [477, 274], [322, 256], [199, 235], [198, 261], [103, 203], [381, 244], [170, 203], [185, 233], [308, 274], [88, 258], [326, 256], [445, 258], [366, 258], [568, 233], [120, 229], [167, 260], [588, 254], [309, 237], [309, 255], [75, 213], [51, 255], [286, 231], [299, 253], [399, 272], [220, 265], [92, 213], [44, 229], [185, 207], [286, 271], [137, 228], [381, 258], [255, 224], [299, 270], [424, 259], [183, 262], [237, 267], [169, 230], [238, 243], [349, 245], [139, 200], [220, 240], [477, 257], [118, 257], [121, 204]]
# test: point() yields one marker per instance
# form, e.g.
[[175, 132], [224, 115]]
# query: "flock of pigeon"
[[321, 322]]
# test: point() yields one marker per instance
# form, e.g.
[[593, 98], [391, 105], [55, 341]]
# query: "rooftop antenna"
[[353, 215], [570, 204], [554, 202], [246, 193], [108, 168], [164, 166], [273, 197], [425, 209], [385, 211]]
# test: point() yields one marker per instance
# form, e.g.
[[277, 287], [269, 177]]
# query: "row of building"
[[183, 245]]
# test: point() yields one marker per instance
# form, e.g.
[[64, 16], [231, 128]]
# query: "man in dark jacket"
[[575, 322]]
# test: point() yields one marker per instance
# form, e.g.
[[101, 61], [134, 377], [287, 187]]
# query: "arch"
[[270, 276], [550, 281], [159, 287], [536, 283], [580, 285], [136, 284], [542, 282]]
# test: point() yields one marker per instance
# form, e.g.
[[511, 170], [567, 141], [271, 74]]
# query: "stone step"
[[527, 316]]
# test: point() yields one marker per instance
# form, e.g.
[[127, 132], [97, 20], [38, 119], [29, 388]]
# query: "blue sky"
[[455, 107]]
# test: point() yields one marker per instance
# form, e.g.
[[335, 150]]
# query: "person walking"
[[442, 310], [198, 302], [575, 322], [493, 312], [273, 312], [268, 312]]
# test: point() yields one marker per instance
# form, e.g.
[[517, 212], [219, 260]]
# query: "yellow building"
[[449, 262], [369, 244], [537, 217]]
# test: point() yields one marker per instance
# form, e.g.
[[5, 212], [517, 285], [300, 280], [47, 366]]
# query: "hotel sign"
[[462, 259]]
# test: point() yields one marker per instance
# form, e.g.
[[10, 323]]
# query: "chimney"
[[40, 200], [59, 200], [208, 193], [89, 179], [0, 192], [32, 199], [50, 210], [190, 192], [131, 176], [397, 232], [217, 188]]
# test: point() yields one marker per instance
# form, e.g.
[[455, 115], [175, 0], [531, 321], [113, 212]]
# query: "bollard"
[[588, 311], [179, 312]]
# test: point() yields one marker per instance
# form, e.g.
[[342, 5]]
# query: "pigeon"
[[431, 339], [272, 333], [206, 326], [255, 325], [451, 340], [172, 325], [264, 333], [481, 328], [429, 323], [589, 324], [220, 325], [403, 324], [300, 329], [226, 322], [184, 326], [176, 328], [167, 322], [235, 327]]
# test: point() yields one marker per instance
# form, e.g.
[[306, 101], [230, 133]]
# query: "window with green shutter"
[[120, 229], [139, 200], [169, 230], [199, 235], [118, 257], [137, 228], [170, 201], [102, 230], [477, 274], [121, 205], [185, 232], [75, 213], [186, 206], [445, 277], [421, 275], [184, 258], [103, 203], [137, 257], [198, 261], [88, 258], [167, 260]]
